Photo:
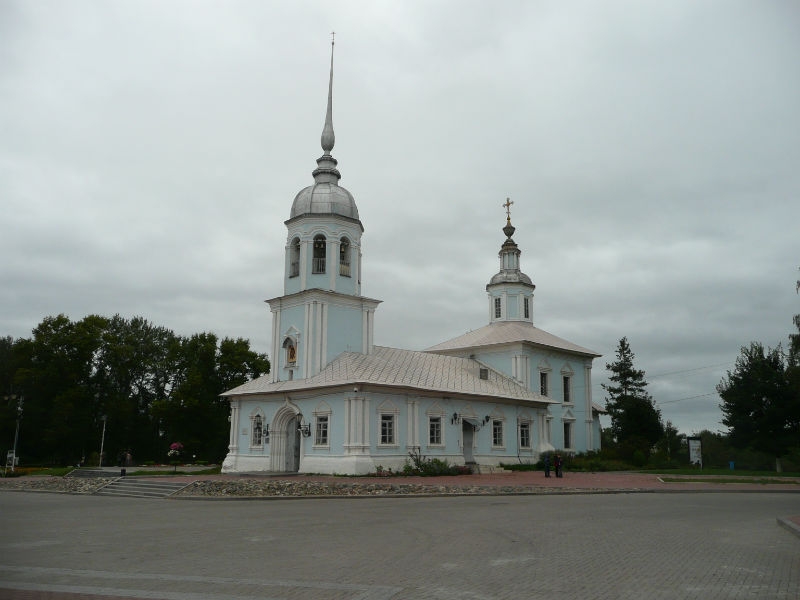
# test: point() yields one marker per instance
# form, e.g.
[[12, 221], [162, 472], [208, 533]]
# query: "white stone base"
[[244, 463]]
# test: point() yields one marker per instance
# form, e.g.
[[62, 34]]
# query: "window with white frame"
[[266, 433], [497, 308], [434, 431], [497, 433], [567, 384], [543, 383], [525, 434], [257, 431], [321, 430], [567, 435], [527, 307], [387, 429]]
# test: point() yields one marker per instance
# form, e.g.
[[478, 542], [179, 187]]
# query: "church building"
[[336, 403]]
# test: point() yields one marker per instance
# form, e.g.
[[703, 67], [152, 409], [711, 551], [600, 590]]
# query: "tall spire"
[[326, 171], [328, 138]]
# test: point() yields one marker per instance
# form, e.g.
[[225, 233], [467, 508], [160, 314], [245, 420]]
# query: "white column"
[[309, 339], [233, 445], [333, 260], [304, 245], [276, 324]]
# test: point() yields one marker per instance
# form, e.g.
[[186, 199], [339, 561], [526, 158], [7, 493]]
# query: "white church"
[[336, 403]]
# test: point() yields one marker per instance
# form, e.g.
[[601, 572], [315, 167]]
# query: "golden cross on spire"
[[507, 206]]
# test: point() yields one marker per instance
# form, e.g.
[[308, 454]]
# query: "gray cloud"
[[150, 152]]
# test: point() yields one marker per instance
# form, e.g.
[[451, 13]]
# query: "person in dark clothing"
[[547, 465]]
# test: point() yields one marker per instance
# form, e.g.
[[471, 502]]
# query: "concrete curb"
[[789, 524]]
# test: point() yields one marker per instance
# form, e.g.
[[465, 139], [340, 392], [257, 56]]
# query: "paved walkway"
[[623, 546]]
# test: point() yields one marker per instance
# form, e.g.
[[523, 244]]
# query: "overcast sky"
[[150, 153]]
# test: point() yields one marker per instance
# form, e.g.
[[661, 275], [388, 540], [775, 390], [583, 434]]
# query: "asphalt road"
[[662, 546]]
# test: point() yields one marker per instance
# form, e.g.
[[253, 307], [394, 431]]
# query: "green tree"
[[151, 386], [670, 445], [758, 405], [194, 413], [635, 420]]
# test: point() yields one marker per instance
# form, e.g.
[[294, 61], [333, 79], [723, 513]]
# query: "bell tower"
[[322, 312]]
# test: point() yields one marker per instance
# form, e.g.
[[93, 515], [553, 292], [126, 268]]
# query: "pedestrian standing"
[[547, 465]]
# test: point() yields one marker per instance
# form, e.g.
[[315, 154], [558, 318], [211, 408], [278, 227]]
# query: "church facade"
[[336, 403]]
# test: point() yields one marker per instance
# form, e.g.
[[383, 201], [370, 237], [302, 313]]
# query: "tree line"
[[760, 407], [130, 384]]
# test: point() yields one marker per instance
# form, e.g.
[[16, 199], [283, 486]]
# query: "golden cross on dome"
[[507, 206]]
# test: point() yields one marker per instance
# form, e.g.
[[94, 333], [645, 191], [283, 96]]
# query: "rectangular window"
[[321, 431], [266, 433], [387, 429], [525, 434], [527, 306], [497, 308], [497, 433], [543, 383], [567, 436], [435, 431], [567, 392]]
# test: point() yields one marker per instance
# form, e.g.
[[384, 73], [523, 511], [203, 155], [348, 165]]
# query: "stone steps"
[[134, 487], [86, 472]]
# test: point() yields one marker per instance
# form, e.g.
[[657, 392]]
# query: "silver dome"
[[510, 277], [324, 198]]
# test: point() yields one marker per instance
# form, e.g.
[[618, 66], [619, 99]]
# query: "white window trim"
[[529, 423], [327, 444], [547, 372], [323, 411], [388, 409], [567, 390], [251, 433], [441, 443], [571, 424], [503, 431]]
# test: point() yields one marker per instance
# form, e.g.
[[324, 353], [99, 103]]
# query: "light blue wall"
[[345, 329], [557, 361], [396, 455]]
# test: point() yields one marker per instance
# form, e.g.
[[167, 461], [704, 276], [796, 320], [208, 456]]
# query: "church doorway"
[[292, 453], [467, 437]]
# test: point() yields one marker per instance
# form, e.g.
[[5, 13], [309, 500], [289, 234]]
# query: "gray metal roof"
[[509, 332], [408, 369]]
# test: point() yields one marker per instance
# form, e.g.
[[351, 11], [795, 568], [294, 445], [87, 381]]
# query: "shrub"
[[417, 464]]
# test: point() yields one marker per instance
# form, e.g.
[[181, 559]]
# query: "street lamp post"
[[103, 439], [16, 431]]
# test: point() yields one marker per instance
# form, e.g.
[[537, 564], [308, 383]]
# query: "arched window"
[[291, 351], [344, 257], [320, 247], [294, 258], [258, 431]]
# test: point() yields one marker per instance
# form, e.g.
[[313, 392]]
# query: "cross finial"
[[333, 37], [507, 206]]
